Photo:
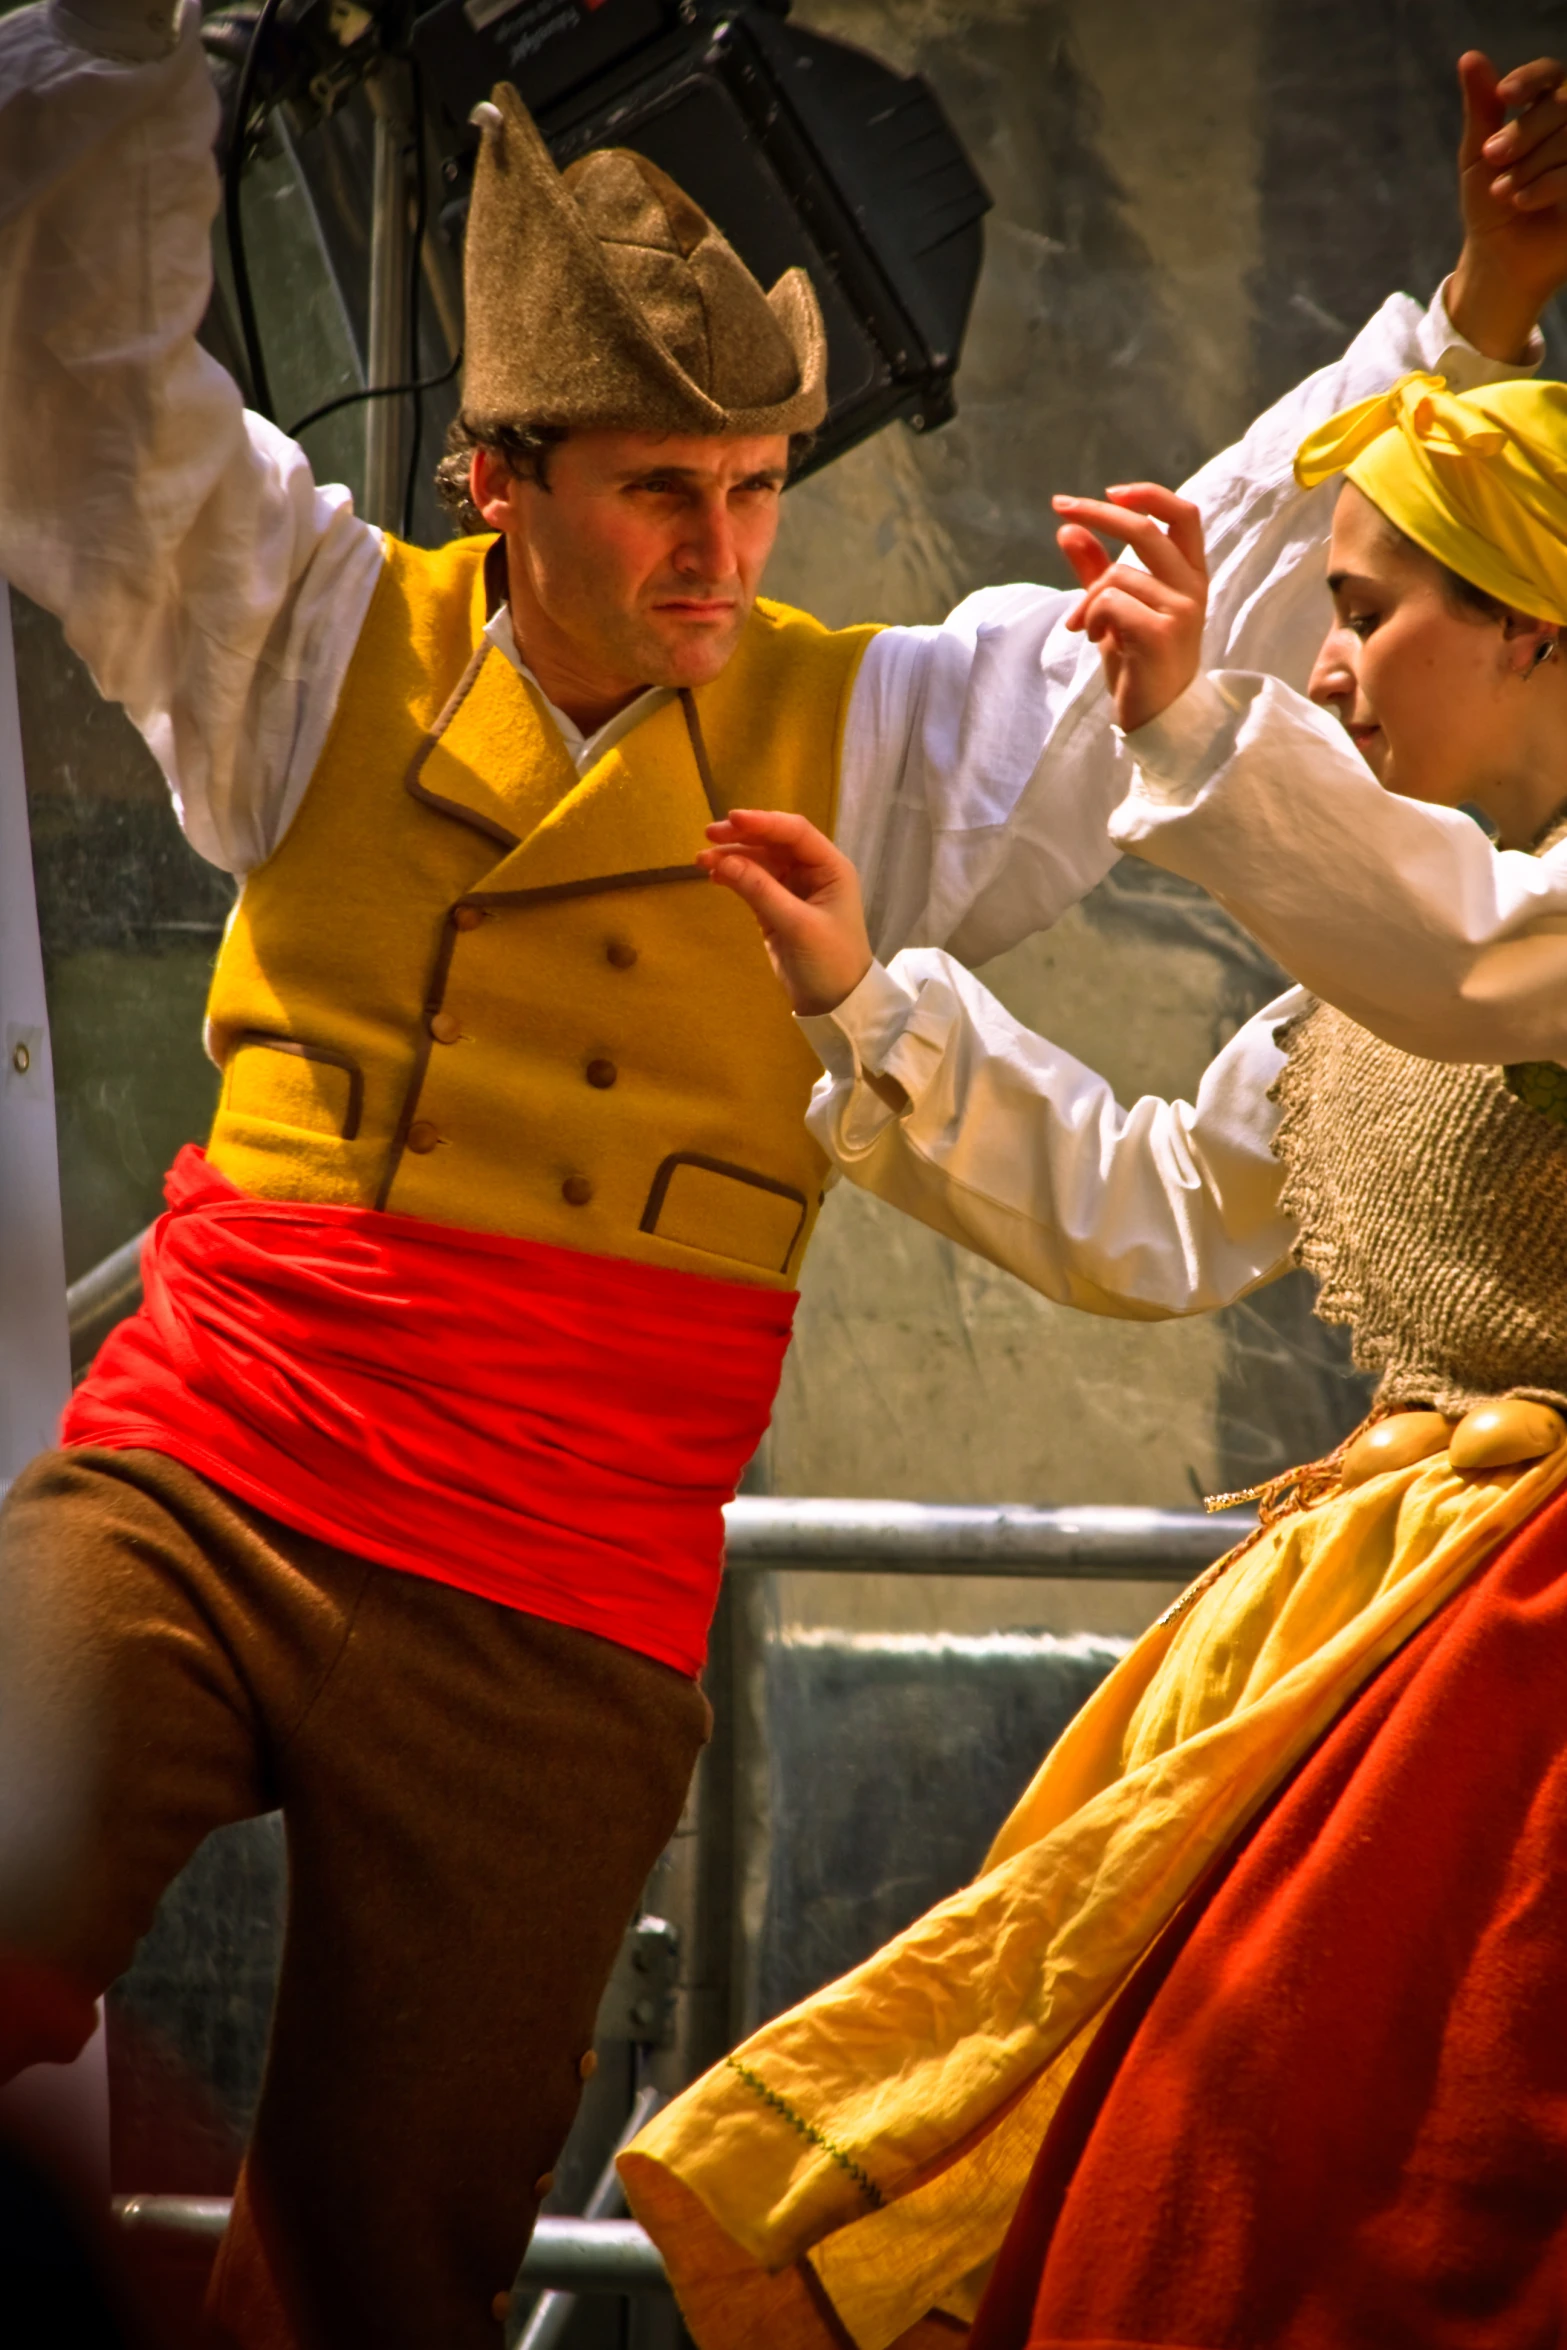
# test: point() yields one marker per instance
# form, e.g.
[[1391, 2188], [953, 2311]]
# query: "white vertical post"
[[35, 1354], [62, 2111]]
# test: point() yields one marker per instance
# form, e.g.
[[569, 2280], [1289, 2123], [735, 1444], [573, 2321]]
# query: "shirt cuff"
[[1446, 352], [861, 1031], [1177, 752], [126, 32]]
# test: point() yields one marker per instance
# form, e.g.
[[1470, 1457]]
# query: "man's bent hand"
[[1146, 618], [806, 896]]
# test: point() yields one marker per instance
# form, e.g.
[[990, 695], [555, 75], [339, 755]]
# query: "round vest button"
[[423, 1136], [445, 1027], [541, 2187], [620, 953], [576, 1191], [602, 1074], [587, 2066], [467, 917]]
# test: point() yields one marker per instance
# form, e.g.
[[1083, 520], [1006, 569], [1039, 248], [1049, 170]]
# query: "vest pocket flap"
[[293, 1084], [726, 1211]]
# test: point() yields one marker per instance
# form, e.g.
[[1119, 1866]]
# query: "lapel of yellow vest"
[[494, 761]]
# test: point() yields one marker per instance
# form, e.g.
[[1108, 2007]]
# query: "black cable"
[[430, 383], [421, 222], [250, 334]]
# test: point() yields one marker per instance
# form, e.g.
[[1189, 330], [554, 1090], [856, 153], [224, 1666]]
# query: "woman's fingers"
[[778, 828], [816, 938], [1484, 106], [775, 861], [790, 846], [1540, 194], [1525, 165], [1526, 88], [780, 910], [1528, 154]]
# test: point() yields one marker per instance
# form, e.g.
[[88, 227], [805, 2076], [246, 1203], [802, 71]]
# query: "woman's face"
[[1431, 697]]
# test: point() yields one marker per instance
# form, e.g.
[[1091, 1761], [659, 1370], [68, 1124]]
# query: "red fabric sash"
[[1330, 2110], [551, 1430]]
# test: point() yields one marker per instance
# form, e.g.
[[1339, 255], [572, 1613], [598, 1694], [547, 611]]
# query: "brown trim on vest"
[[325, 1053], [431, 799], [652, 877], [699, 753], [677, 1159], [434, 996]]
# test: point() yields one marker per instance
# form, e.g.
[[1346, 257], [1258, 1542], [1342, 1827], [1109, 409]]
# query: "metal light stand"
[[391, 232]]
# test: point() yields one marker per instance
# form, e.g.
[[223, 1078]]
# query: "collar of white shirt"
[[582, 748]]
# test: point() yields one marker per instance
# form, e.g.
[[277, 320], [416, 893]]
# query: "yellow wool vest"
[[473, 988]]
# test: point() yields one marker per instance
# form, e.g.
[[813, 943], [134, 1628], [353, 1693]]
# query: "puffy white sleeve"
[[939, 1102], [1401, 914], [208, 583], [980, 766]]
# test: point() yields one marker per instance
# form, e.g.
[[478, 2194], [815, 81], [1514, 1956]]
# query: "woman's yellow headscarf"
[[1479, 479]]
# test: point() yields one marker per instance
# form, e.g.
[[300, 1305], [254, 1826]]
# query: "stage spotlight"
[[803, 150]]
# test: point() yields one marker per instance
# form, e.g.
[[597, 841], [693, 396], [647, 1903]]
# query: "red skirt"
[[1329, 2112], [551, 1430]]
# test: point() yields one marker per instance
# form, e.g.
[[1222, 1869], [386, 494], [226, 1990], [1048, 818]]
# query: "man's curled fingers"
[[1127, 620], [1177, 560], [1181, 517], [1139, 586]]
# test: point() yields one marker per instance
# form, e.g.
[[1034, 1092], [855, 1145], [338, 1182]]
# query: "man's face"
[[640, 562]]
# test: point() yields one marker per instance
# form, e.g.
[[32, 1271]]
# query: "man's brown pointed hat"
[[604, 296]]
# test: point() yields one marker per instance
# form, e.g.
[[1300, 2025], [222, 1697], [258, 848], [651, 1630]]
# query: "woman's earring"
[[1542, 652]]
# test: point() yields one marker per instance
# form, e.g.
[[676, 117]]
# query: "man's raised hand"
[[804, 893], [1147, 622]]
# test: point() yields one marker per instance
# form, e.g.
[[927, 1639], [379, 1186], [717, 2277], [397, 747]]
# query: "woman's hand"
[[1512, 185], [1147, 623], [806, 896]]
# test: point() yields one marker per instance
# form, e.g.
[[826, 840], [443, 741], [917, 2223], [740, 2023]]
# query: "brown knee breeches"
[[473, 1800]]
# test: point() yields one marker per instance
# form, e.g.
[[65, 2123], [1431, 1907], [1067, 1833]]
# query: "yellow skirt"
[[867, 2150]]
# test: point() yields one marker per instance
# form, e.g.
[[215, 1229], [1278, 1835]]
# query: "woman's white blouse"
[[1401, 914], [938, 1101]]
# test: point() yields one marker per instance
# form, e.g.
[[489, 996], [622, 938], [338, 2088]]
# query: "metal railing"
[[565, 2256], [1095, 1542], [103, 1297]]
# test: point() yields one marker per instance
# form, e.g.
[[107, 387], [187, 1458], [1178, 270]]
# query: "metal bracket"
[[639, 1998]]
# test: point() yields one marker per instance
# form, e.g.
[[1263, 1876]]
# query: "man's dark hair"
[[525, 450]]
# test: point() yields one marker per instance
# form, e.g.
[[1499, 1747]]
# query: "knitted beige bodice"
[[1432, 1207]]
